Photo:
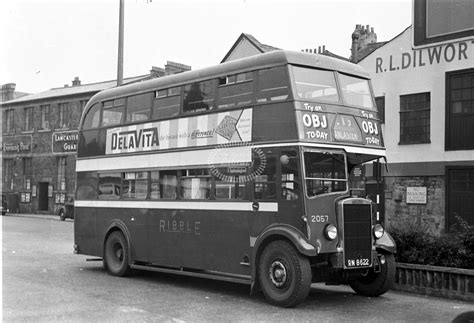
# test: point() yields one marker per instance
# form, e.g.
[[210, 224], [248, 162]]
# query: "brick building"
[[39, 139]]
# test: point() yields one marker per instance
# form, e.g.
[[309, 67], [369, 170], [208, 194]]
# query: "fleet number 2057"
[[319, 218]]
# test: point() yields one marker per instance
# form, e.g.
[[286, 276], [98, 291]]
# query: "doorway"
[[43, 196]]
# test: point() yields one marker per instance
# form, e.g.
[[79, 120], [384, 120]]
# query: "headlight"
[[331, 232], [378, 231]]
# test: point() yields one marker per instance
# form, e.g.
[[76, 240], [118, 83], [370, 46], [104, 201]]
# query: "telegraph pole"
[[120, 46]]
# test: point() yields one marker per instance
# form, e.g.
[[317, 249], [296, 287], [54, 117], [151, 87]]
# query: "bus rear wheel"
[[375, 284], [284, 274], [116, 257]]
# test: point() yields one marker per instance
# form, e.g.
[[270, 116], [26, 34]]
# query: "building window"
[[29, 119], [63, 117], [45, 117], [8, 173], [61, 184], [10, 121], [460, 110], [415, 118], [380, 102], [27, 173]]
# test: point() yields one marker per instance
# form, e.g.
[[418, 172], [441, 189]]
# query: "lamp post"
[[120, 46]]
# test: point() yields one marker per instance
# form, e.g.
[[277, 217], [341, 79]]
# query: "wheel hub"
[[278, 274]]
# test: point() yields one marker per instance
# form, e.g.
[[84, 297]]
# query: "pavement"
[[36, 216]]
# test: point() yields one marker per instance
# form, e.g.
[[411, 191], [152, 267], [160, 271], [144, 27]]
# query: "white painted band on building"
[[180, 205]]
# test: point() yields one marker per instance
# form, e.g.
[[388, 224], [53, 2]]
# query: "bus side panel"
[[86, 236], [274, 122], [200, 239]]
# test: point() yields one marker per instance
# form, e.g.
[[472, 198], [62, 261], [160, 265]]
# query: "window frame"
[[406, 140], [29, 124], [45, 119], [449, 140]]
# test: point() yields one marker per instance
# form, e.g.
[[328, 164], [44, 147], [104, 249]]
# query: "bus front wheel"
[[116, 254], [284, 274], [375, 284]]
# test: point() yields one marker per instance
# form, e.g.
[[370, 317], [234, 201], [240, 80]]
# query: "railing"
[[435, 281]]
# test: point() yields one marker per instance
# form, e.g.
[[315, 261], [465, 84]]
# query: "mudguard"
[[120, 225], [386, 243], [275, 232]]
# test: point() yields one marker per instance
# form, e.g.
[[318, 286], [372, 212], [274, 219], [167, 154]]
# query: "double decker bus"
[[236, 172]]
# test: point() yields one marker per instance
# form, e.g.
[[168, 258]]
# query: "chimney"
[[174, 68], [361, 38], [8, 92], [76, 81], [157, 71], [355, 45]]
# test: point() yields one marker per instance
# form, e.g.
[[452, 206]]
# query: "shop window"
[[460, 110], [195, 184], [27, 172], [167, 103], [61, 180], [139, 107], [199, 96], [273, 84], [415, 118]]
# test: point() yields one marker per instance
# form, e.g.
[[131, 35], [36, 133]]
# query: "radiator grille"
[[357, 235]]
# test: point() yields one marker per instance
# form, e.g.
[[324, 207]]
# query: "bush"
[[454, 249]]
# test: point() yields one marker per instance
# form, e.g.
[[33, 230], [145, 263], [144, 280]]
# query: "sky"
[[45, 44]]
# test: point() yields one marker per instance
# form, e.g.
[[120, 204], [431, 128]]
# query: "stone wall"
[[429, 215]]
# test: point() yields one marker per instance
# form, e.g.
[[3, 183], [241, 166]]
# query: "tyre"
[[376, 284], [284, 274], [62, 216], [116, 254]]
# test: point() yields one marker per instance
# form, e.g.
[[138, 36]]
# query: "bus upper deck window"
[[199, 96], [92, 117], [235, 90], [273, 84], [313, 84], [113, 112], [139, 107], [167, 103], [356, 91]]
